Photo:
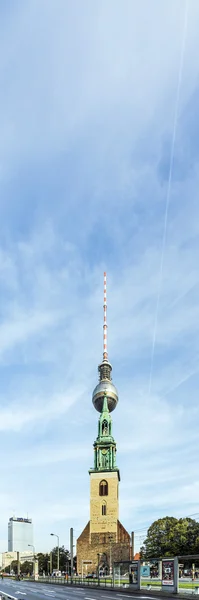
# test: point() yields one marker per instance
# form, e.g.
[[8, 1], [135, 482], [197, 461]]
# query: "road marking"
[[22, 593], [142, 597]]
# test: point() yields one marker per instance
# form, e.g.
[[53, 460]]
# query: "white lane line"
[[76, 592], [89, 598], [33, 589], [141, 597], [22, 593]]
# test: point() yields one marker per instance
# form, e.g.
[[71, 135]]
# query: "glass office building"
[[20, 534]]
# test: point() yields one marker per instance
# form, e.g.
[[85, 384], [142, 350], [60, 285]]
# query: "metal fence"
[[173, 575], [4, 596], [106, 582]]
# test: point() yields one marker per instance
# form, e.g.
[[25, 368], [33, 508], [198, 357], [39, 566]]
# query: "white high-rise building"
[[20, 534]]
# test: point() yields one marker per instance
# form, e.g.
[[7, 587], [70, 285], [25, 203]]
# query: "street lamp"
[[31, 546], [98, 565], [57, 549]]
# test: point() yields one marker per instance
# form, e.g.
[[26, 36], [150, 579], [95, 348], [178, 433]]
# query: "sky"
[[99, 170]]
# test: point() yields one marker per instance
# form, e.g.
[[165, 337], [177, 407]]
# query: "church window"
[[103, 488], [105, 428], [103, 509]]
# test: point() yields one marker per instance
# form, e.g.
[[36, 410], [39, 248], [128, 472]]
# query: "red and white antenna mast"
[[105, 353]]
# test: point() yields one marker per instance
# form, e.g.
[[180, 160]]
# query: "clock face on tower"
[[104, 451]]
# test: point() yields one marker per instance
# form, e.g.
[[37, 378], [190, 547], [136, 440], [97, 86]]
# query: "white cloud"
[[19, 415], [113, 80]]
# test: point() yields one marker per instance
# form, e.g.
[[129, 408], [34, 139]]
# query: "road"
[[24, 590]]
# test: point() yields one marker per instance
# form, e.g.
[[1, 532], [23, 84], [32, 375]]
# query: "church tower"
[[104, 479], [104, 539]]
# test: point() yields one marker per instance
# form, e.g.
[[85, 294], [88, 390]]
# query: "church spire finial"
[[105, 353]]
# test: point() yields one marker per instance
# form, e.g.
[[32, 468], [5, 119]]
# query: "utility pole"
[[71, 550], [55, 535], [110, 568], [132, 545], [18, 563], [98, 563]]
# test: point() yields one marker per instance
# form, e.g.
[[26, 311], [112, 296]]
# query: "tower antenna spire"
[[105, 385], [105, 353]]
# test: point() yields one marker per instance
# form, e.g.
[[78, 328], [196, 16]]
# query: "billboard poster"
[[133, 572], [145, 571], [168, 572]]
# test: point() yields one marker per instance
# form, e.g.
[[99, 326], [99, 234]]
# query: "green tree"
[[43, 562], [64, 558], [12, 567], [27, 567], [171, 537]]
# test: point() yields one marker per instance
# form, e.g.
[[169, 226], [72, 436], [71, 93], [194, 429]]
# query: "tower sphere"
[[111, 393]]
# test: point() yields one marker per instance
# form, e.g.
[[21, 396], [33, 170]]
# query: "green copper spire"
[[105, 446], [105, 423]]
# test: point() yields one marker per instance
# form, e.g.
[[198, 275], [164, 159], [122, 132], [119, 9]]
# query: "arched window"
[[103, 509], [105, 427], [103, 488]]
